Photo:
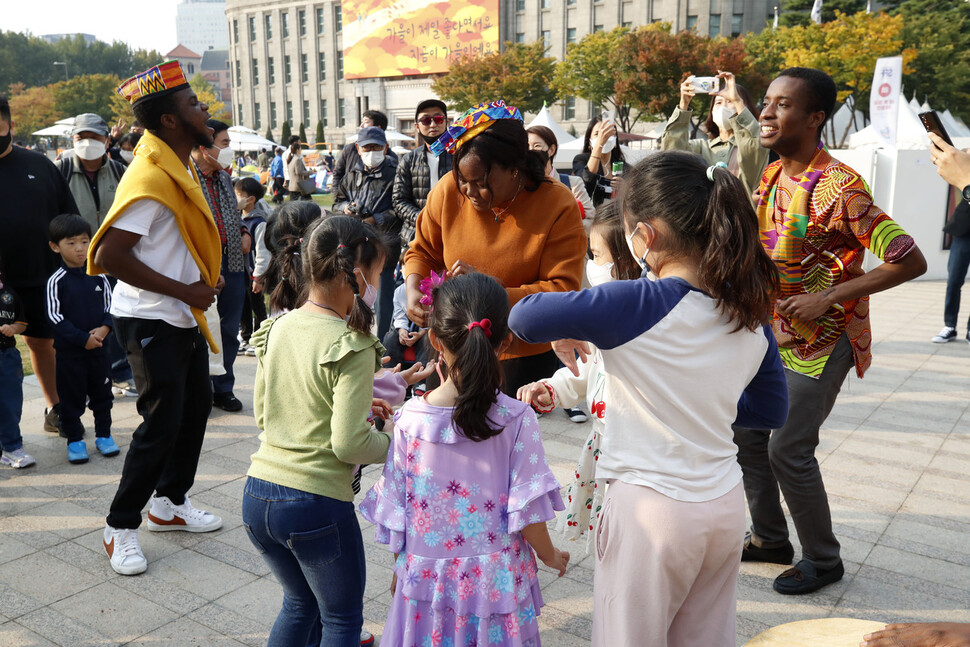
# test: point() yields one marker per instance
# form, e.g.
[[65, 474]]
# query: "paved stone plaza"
[[895, 455]]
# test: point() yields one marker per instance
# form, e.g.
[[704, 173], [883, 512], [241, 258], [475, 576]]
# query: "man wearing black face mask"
[[418, 172], [34, 193]]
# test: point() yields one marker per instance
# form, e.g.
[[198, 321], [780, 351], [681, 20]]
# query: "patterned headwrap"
[[153, 82], [471, 122]]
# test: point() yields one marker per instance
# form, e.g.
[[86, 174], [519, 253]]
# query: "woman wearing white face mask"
[[732, 127], [610, 260]]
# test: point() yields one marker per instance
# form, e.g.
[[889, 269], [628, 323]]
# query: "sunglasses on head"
[[427, 119]]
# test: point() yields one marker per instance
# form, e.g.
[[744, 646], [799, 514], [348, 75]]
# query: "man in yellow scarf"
[[160, 241]]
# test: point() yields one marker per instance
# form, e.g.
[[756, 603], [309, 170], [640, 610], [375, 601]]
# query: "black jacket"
[[76, 305], [348, 159], [368, 194], [412, 186]]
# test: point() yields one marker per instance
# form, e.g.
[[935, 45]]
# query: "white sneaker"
[[124, 551], [17, 459], [945, 335], [366, 638], [163, 515]]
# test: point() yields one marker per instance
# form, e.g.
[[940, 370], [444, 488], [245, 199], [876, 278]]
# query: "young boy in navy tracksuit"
[[12, 322], [78, 305]]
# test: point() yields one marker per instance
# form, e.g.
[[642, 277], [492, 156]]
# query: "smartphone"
[[932, 124], [607, 115], [706, 84]]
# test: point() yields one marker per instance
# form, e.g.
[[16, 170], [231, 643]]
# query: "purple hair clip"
[[428, 285]]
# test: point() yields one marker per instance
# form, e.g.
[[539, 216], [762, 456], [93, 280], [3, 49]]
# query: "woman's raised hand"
[[686, 93]]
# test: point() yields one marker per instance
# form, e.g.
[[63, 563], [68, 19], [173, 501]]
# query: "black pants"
[[84, 375], [524, 370], [253, 312], [395, 350], [279, 191], [171, 370]]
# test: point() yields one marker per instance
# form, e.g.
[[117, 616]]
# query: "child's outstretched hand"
[[381, 409], [417, 373], [557, 561], [536, 394]]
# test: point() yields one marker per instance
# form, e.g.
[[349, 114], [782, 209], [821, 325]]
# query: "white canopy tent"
[[544, 118], [60, 128], [954, 127], [247, 139], [910, 133]]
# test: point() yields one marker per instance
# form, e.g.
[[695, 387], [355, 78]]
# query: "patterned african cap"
[[153, 82], [471, 122]]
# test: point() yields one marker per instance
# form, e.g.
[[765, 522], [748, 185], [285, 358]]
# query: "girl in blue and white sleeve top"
[[685, 357]]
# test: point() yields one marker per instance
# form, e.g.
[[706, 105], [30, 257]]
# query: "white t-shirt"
[[286, 162], [162, 249], [432, 169]]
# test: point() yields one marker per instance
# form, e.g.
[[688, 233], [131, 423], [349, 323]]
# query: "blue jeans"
[[313, 545], [11, 399], [230, 306], [956, 268]]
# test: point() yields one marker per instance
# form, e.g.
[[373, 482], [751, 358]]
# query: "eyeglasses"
[[427, 119]]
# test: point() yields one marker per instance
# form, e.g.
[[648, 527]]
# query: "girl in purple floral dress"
[[466, 491]]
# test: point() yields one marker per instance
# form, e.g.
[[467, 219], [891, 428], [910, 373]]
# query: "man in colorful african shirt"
[[816, 219]]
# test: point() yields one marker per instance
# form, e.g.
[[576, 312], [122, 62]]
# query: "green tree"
[[318, 138], [521, 74], [32, 109], [303, 132], [798, 12], [269, 134], [285, 134], [587, 72], [87, 93], [939, 30]]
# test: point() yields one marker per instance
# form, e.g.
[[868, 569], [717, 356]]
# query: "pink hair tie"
[[484, 324], [341, 245]]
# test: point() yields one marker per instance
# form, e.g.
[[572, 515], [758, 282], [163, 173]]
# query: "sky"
[[108, 20]]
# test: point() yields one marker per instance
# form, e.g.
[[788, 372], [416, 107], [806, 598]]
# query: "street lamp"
[[64, 63]]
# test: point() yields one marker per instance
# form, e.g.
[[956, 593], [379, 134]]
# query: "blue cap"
[[371, 135]]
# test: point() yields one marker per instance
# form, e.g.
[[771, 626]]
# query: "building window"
[[287, 71], [547, 38], [252, 28], [289, 111], [270, 70], [342, 116], [256, 118], [322, 66], [235, 31], [715, 27], [691, 23], [255, 71], [239, 114], [571, 3], [570, 34], [190, 68], [569, 109], [319, 21], [545, 4], [302, 21], [627, 25], [268, 26], [238, 74], [520, 37], [285, 19], [323, 113], [737, 24], [340, 65], [520, 6], [272, 114], [306, 112], [597, 28], [338, 18], [304, 68]]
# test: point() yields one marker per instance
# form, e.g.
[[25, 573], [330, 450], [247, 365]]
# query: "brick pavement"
[[895, 456]]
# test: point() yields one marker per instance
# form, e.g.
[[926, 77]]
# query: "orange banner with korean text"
[[405, 37]]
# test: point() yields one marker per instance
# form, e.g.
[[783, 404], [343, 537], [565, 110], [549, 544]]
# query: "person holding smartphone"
[[595, 164], [953, 165], [732, 130]]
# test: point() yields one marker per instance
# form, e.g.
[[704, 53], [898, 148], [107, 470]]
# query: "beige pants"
[[666, 570]]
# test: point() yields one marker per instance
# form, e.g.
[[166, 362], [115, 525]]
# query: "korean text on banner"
[[404, 37], [884, 98]]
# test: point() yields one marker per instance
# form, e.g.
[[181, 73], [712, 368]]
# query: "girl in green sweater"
[[313, 395]]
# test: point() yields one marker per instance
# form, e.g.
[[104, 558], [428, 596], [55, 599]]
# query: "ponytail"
[[284, 276], [710, 219], [734, 265], [470, 318]]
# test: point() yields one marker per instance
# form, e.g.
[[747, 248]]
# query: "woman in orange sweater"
[[497, 213]]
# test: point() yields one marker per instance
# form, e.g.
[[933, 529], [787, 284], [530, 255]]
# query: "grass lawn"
[[325, 200], [24, 355]]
